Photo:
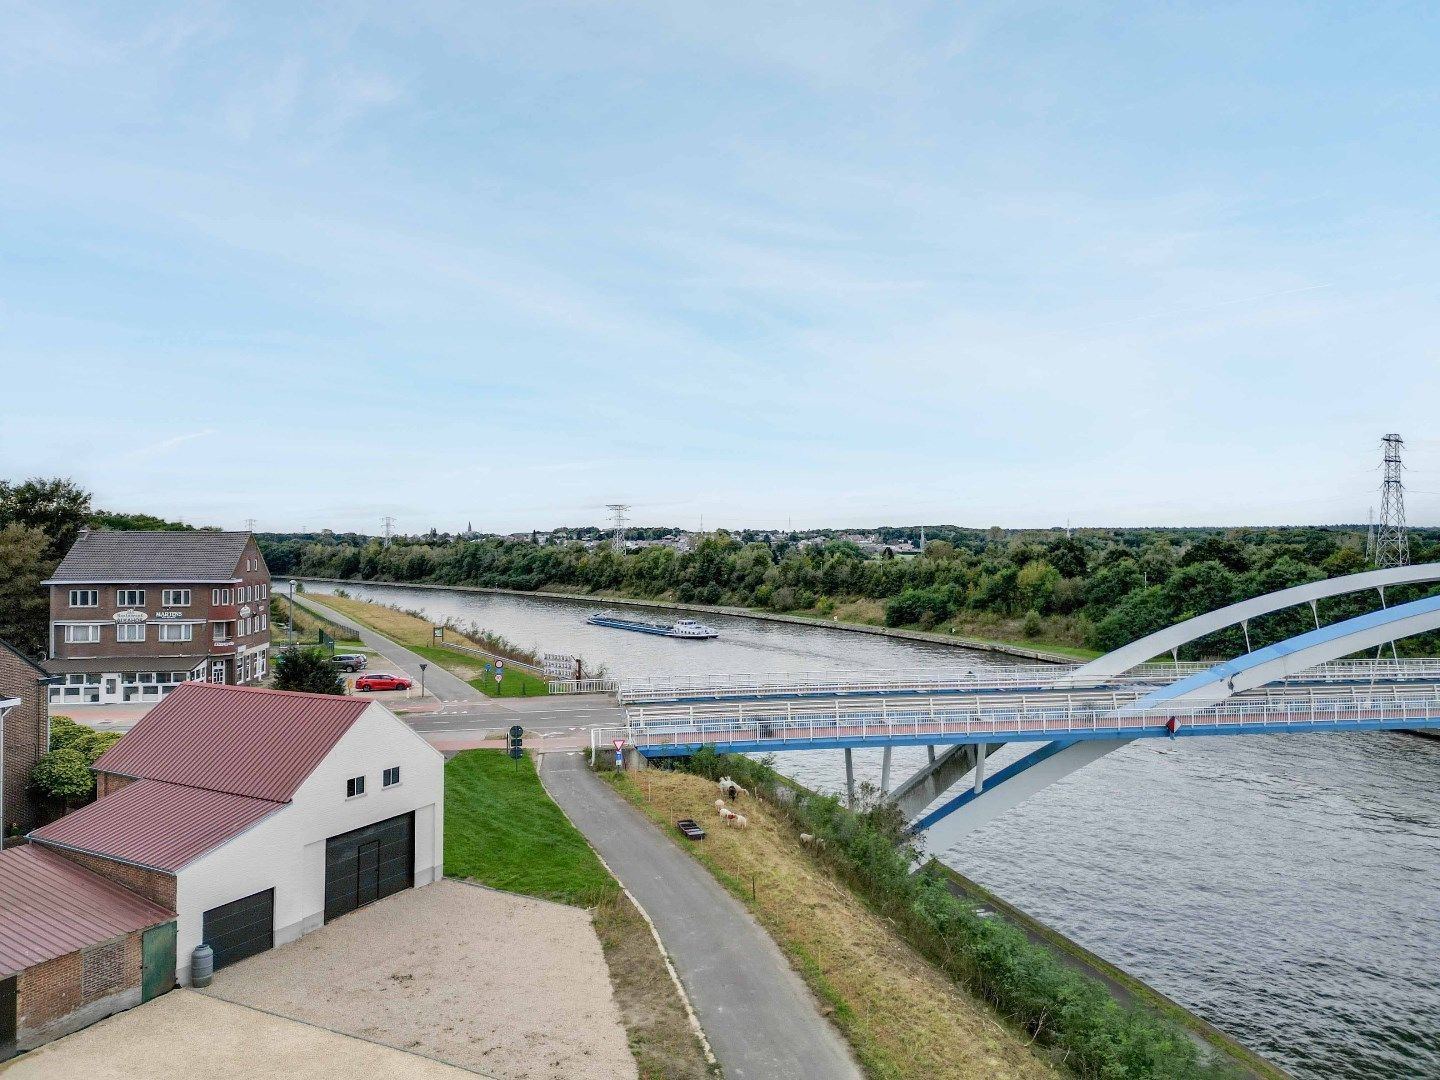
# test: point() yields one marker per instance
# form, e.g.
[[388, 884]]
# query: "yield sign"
[[619, 743]]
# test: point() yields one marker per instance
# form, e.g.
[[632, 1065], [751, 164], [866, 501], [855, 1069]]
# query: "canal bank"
[[973, 644]]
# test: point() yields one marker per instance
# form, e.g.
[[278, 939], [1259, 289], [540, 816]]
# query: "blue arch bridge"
[[1072, 714]]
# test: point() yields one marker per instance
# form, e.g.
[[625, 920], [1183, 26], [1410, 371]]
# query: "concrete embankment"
[[978, 644]]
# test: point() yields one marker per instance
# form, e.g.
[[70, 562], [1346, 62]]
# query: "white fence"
[[582, 686]]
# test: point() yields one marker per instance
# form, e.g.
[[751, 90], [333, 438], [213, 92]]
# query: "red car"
[[380, 681]]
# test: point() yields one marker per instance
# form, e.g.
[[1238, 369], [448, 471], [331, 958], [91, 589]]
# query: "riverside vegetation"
[[1071, 1017], [1096, 589]]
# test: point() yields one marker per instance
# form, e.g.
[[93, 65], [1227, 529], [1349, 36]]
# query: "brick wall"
[[155, 885], [109, 783], [26, 731], [49, 992]]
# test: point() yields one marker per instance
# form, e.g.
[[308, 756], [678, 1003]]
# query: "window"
[[354, 786], [79, 635], [175, 598], [391, 777], [264, 591], [131, 631], [264, 621], [84, 597], [176, 631], [130, 597]]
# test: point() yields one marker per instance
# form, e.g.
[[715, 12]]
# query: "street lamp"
[[423, 666], [292, 611]]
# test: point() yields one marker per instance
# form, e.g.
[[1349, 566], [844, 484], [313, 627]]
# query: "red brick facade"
[[155, 885], [26, 735], [109, 783], [52, 991]]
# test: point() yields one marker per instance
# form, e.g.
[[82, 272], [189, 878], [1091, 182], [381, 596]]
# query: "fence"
[[582, 686], [533, 669]]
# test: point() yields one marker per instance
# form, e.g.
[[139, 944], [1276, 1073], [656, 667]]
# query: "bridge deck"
[[809, 726]]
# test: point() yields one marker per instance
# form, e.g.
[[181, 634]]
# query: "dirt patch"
[[904, 1018], [511, 987]]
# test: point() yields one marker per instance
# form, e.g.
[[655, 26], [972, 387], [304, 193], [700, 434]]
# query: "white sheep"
[[728, 815], [806, 839], [739, 821], [719, 804]]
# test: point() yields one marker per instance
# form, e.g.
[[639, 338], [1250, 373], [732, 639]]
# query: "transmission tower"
[[249, 524], [617, 511], [1392, 540], [389, 523]]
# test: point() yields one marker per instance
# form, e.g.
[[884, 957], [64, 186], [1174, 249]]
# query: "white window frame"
[[355, 787], [175, 598], [92, 633], [130, 632], [137, 598], [93, 594], [386, 782], [168, 632]]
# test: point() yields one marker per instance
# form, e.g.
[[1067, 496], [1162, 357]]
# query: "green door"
[[157, 950]]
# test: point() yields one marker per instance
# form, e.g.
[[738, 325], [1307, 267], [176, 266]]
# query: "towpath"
[[758, 1015]]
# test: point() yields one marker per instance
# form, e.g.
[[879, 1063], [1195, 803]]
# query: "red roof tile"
[[155, 824], [244, 740], [49, 906]]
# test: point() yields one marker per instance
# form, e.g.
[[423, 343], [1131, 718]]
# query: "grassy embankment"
[[307, 625], [418, 635], [902, 1016], [503, 830]]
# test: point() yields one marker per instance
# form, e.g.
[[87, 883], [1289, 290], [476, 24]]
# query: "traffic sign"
[[517, 732], [498, 678], [517, 741], [619, 743], [499, 665]]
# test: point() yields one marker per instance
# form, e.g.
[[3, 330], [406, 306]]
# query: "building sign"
[[245, 612], [559, 666], [129, 616], [169, 614]]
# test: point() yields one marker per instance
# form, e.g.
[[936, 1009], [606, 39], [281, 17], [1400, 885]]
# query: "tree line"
[[1098, 588]]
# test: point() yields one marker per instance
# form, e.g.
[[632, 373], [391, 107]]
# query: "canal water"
[[1285, 888]]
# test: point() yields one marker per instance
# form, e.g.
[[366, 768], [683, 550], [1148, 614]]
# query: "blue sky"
[[836, 263]]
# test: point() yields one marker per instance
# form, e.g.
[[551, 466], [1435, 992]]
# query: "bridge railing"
[[581, 686], [1053, 719], [669, 688]]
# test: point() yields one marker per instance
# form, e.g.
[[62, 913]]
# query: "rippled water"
[[1286, 888]]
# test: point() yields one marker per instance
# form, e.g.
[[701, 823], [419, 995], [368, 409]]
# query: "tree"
[[1035, 585], [58, 508], [24, 606], [308, 671], [64, 775], [1067, 555]]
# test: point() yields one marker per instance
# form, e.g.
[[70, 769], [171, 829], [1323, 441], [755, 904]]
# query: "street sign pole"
[[619, 745]]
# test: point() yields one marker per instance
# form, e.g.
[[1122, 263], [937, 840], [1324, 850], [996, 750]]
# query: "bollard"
[[202, 965]]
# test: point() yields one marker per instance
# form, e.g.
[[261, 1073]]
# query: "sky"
[[812, 264]]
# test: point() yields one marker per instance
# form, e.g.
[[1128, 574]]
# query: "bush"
[[1032, 626], [308, 671], [64, 775]]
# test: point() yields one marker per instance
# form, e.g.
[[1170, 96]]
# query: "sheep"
[[810, 840], [736, 791], [739, 821], [719, 804], [728, 815]]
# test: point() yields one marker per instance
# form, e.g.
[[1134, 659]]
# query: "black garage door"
[[240, 928], [369, 863]]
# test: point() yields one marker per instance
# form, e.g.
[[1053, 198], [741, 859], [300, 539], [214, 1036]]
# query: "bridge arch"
[[1183, 633], [944, 826]]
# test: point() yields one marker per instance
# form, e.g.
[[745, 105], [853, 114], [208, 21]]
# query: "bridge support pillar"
[[946, 825], [849, 778], [885, 772], [939, 775]]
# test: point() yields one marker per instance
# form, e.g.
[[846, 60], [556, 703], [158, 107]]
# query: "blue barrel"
[[202, 965]]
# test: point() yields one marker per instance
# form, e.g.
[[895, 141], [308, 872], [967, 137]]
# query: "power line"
[[389, 524], [1392, 539], [617, 511]]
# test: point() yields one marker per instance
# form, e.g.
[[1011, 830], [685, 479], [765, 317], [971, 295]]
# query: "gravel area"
[[505, 985], [187, 1036]]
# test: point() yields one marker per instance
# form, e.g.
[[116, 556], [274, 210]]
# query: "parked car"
[[380, 681], [349, 661]]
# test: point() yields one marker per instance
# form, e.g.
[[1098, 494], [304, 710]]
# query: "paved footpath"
[[758, 1015]]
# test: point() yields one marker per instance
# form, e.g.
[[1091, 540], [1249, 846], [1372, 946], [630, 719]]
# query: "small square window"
[[391, 777], [354, 786]]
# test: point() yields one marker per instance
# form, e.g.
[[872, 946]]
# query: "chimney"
[[84, 533]]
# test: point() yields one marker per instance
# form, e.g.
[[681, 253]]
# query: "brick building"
[[134, 614], [74, 948], [24, 735]]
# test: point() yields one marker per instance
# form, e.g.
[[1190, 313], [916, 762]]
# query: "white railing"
[[885, 722], [582, 686], [663, 688]]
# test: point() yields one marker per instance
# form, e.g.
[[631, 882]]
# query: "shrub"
[[64, 775], [308, 671], [1032, 626]]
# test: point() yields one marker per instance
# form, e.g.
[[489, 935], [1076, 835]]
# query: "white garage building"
[[259, 815]]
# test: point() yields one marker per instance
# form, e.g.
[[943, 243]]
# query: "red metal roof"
[[155, 824], [240, 739], [49, 906]]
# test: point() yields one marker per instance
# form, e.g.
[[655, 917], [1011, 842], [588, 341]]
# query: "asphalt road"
[[760, 1018]]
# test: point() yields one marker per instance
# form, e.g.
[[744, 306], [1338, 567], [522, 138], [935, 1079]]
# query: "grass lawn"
[[502, 829], [904, 1017]]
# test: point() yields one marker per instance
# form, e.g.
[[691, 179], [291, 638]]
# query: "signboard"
[[499, 678], [499, 665], [517, 741], [438, 633], [558, 665], [619, 743]]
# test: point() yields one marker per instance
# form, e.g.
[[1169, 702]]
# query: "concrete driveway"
[[505, 985]]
